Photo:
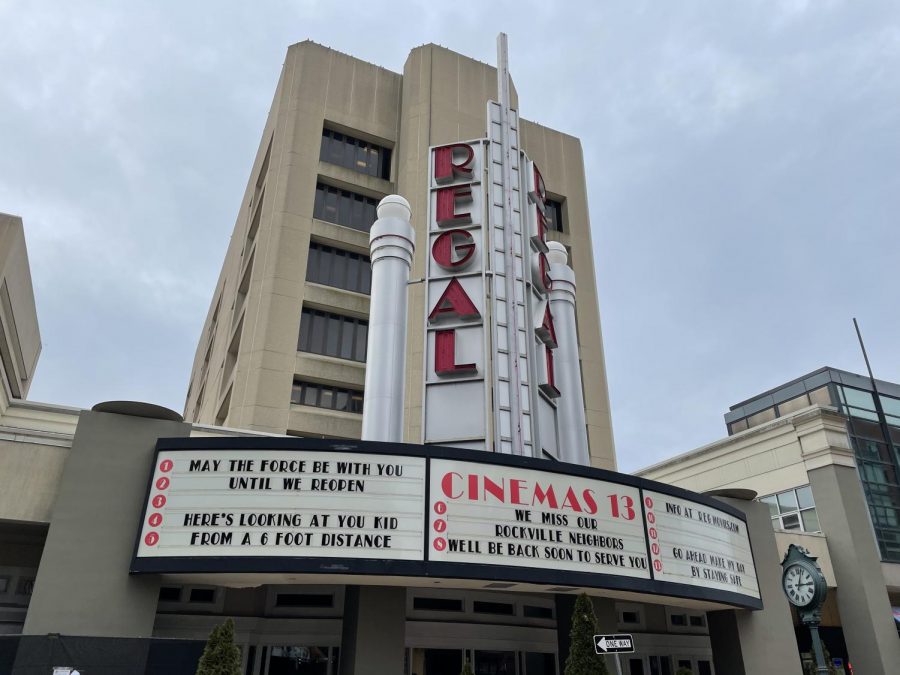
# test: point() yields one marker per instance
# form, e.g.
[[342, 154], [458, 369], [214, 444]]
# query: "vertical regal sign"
[[456, 400], [490, 334], [478, 341]]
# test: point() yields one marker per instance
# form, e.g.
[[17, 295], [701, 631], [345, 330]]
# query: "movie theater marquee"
[[303, 506]]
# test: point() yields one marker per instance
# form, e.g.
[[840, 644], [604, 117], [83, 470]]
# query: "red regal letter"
[[454, 302], [445, 213], [444, 247], [549, 387], [445, 169], [538, 192], [547, 331], [445, 355]]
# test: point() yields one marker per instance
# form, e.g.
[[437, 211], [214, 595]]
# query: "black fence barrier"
[[40, 654]]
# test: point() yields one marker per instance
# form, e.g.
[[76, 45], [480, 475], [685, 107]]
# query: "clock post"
[[805, 587]]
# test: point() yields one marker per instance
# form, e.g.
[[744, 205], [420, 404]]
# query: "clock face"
[[799, 585]]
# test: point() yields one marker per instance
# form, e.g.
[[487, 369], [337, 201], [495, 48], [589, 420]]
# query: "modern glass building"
[[873, 424]]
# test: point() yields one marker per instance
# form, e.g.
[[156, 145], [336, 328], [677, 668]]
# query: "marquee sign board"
[[305, 506], [284, 503], [495, 515], [691, 543]]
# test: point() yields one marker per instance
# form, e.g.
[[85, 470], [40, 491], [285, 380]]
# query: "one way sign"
[[613, 644]]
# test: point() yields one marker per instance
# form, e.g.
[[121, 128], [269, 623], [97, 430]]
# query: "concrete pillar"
[[374, 630], [391, 246], [573, 440], [862, 600], [82, 585], [758, 642]]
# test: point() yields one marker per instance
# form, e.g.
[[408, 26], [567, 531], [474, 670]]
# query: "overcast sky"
[[742, 158]]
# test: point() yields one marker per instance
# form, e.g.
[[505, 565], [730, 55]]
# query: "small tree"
[[582, 658], [467, 668], [684, 671], [220, 656]]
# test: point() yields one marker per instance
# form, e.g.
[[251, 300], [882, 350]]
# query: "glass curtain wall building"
[[873, 424]]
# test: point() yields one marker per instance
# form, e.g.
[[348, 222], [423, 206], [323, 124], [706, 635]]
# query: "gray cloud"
[[742, 165]]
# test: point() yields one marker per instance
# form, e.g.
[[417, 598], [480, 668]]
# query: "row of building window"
[[437, 604], [331, 334], [343, 207], [327, 396], [818, 396], [196, 595], [342, 269], [357, 211], [23, 586], [853, 402], [861, 404], [363, 156], [877, 459], [793, 510]]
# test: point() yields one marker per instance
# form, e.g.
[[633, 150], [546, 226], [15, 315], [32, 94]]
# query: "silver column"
[[573, 440], [391, 247]]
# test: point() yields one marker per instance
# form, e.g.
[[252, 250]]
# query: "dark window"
[[533, 612], [333, 335], [203, 595], [339, 268], [353, 153], [631, 617], [540, 663], [326, 396], [678, 619], [492, 607], [635, 667], [554, 215], [697, 621], [704, 667], [344, 207], [684, 663], [660, 665], [304, 600], [438, 604], [169, 593]]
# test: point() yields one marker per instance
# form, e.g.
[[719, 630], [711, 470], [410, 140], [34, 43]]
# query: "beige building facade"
[[283, 346], [812, 459]]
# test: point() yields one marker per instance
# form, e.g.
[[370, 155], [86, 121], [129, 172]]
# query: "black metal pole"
[[865, 355], [817, 650]]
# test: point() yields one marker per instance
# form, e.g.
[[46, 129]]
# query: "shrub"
[[582, 658], [220, 656]]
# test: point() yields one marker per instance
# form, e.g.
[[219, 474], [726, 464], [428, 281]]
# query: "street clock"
[[803, 583], [805, 587]]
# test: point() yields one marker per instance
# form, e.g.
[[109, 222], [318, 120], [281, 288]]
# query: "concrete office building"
[[822, 452], [131, 532], [283, 346]]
